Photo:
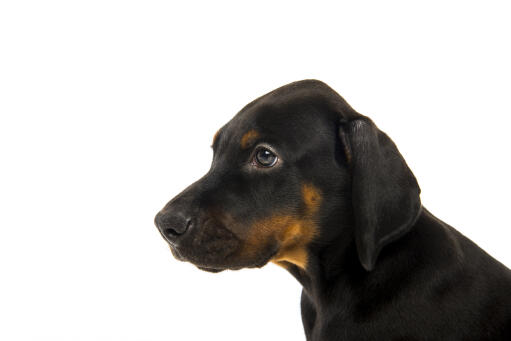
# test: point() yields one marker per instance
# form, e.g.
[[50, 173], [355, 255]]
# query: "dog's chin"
[[257, 263], [213, 270], [208, 263]]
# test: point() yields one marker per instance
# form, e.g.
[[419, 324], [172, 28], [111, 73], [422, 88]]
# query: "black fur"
[[381, 267]]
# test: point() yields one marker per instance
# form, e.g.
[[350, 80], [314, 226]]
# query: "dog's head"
[[297, 167]]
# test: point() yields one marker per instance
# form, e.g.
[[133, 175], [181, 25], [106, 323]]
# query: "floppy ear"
[[385, 193]]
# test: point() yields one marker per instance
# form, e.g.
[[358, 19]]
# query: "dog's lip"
[[176, 253]]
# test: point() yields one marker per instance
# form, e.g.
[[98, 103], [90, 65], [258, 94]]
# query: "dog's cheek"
[[292, 232]]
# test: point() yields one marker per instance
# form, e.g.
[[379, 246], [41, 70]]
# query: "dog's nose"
[[172, 225]]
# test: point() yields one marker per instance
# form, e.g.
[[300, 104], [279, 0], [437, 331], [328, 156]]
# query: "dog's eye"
[[265, 158]]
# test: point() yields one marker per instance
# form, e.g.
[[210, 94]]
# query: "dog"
[[300, 179]]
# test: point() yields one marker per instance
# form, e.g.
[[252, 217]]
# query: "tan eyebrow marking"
[[215, 137], [248, 138]]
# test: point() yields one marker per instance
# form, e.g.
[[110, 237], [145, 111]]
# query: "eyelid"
[[265, 146]]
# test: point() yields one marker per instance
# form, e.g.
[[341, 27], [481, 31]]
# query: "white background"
[[108, 109]]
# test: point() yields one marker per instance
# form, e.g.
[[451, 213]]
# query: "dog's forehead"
[[288, 116], [299, 112], [270, 124]]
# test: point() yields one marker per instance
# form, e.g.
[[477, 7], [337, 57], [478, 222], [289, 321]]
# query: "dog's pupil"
[[265, 157]]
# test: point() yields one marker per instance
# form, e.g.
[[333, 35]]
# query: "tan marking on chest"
[[248, 138]]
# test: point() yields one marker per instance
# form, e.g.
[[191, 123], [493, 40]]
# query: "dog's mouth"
[[214, 248]]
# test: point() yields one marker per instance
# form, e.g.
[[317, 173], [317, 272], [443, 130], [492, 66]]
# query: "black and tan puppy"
[[301, 179]]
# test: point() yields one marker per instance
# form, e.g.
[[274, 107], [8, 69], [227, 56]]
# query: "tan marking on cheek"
[[264, 231], [294, 241], [293, 233], [248, 138]]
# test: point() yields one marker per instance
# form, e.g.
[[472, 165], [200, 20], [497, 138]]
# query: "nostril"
[[175, 230], [169, 232], [172, 226], [178, 228]]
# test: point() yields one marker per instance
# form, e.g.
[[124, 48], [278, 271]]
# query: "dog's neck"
[[336, 270], [326, 266]]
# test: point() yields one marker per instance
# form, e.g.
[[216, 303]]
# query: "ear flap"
[[385, 193]]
